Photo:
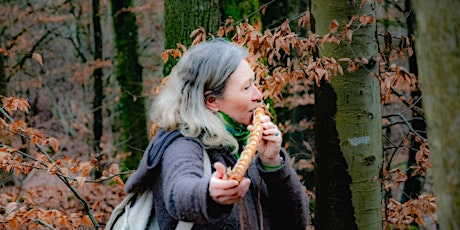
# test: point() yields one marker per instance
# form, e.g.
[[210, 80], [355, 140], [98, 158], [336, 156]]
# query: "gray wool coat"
[[180, 188]]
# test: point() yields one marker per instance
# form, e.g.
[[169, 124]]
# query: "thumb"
[[221, 171]]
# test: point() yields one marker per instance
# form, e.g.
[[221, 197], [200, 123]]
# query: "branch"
[[388, 168], [6, 114], [405, 121], [400, 122], [64, 179], [74, 191], [254, 13], [42, 223]]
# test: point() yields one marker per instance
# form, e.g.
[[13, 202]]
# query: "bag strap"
[[124, 206]]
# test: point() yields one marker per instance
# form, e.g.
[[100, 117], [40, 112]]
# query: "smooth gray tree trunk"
[[348, 126], [438, 55]]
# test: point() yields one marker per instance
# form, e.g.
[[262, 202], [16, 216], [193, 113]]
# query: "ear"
[[212, 102]]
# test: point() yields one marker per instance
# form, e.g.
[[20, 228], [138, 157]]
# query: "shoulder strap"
[[206, 163], [119, 218]]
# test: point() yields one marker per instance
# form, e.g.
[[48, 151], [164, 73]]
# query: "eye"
[[251, 83]]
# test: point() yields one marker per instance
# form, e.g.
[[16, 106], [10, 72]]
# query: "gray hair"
[[181, 103]]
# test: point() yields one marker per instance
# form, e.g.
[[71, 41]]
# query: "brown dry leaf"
[[4, 52], [53, 143], [51, 166], [95, 205], [221, 31], [165, 56], [263, 9], [197, 32], [304, 21], [23, 105], [349, 34], [393, 55], [38, 58], [87, 221], [285, 26], [80, 180], [114, 168], [229, 21], [10, 104], [17, 125], [366, 19], [182, 47], [344, 59], [334, 27], [352, 67], [119, 181], [85, 167]]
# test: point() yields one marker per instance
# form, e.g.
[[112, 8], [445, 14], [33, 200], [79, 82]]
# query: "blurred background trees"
[[438, 55], [74, 74]]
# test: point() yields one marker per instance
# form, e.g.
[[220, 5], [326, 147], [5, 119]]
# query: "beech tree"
[[129, 76], [439, 64], [3, 85], [98, 87], [348, 120]]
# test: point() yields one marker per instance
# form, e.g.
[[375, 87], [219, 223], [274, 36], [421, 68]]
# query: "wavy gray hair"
[[205, 67]]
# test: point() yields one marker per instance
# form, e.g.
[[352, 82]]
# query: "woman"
[[210, 97]]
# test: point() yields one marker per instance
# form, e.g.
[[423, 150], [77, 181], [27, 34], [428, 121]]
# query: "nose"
[[257, 95]]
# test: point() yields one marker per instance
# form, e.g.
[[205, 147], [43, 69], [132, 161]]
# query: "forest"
[[364, 92]]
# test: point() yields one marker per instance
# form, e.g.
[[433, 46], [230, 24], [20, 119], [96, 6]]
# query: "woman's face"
[[241, 96]]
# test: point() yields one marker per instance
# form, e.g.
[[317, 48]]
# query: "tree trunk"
[[98, 87], [348, 127], [3, 85], [439, 66], [129, 76], [414, 183], [181, 19]]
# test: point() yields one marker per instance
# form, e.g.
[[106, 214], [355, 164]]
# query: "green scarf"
[[239, 131]]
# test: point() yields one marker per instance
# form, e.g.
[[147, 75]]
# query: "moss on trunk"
[[129, 76]]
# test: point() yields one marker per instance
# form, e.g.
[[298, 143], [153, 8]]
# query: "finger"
[[221, 171], [244, 186]]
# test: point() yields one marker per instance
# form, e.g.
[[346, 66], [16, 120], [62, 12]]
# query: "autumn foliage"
[[284, 63]]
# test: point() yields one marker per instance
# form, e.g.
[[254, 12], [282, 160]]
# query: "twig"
[[74, 191], [405, 121], [42, 223], [6, 114], [60, 176]]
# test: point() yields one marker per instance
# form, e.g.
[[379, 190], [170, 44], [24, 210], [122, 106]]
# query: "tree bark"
[[439, 66], [348, 127], [414, 183], [3, 85], [129, 76], [181, 19], [98, 86]]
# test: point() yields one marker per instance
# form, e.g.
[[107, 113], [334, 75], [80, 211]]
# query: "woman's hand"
[[225, 191], [270, 146]]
